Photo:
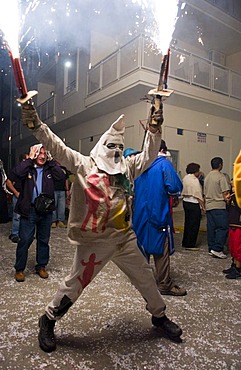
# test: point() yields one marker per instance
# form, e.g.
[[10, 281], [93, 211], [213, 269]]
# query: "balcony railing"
[[46, 110], [184, 66], [202, 72]]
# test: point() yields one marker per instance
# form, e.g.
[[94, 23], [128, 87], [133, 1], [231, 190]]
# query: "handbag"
[[43, 202]]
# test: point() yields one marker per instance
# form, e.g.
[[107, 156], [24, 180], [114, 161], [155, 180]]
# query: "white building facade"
[[109, 77]]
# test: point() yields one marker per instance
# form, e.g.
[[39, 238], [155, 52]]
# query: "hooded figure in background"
[[99, 222]]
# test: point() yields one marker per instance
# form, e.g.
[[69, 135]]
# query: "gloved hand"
[[156, 112], [30, 116], [158, 117]]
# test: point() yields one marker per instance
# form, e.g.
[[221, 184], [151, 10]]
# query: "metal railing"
[[47, 110], [184, 66], [139, 55]]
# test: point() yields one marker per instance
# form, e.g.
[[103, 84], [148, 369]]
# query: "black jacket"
[[234, 212], [24, 171]]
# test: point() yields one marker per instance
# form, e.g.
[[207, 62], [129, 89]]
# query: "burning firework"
[[11, 30], [45, 22]]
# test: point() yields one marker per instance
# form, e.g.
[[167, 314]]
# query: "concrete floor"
[[109, 327]]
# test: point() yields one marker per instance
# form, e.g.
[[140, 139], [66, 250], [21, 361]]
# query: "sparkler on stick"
[[20, 80], [161, 91], [157, 94]]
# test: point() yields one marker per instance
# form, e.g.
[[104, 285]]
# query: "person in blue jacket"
[[152, 220]]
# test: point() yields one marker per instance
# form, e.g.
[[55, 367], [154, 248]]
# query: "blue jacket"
[[152, 221], [24, 171]]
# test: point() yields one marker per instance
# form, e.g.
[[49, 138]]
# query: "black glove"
[[30, 116]]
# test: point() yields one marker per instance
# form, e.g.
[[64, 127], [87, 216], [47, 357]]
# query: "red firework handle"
[[18, 75], [162, 84]]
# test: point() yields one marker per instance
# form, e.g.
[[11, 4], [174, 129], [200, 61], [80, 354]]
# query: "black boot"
[[46, 334], [230, 269], [168, 327]]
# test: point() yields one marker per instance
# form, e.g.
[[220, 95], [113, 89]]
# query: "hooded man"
[[99, 222]]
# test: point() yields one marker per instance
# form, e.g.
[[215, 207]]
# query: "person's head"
[[217, 163], [193, 168], [40, 156], [129, 152], [108, 152]]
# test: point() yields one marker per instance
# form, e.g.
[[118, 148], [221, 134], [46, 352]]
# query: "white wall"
[[192, 122], [82, 135], [44, 92], [233, 62], [85, 135], [190, 150]]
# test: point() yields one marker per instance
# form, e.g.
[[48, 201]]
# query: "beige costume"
[[100, 215]]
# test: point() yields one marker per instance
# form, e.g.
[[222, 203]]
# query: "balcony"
[[184, 66], [131, 71]]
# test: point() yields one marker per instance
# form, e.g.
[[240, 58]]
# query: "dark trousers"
[[162, 269], [42, 224], [191, 224], [217, 229]]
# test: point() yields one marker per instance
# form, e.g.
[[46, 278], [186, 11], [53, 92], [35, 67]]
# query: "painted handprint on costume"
[[97, 199]]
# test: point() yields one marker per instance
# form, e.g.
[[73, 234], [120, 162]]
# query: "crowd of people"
[[120, 210]]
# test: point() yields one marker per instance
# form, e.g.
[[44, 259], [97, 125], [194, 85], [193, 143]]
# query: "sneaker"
[[168, 327], [218, 254], [53, 225], [227, 271], [61, 225], [19, 276], [42, 273], [46, 336], [175, 290], [234, 274]]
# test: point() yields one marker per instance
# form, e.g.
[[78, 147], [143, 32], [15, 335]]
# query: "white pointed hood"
[[108, 160]]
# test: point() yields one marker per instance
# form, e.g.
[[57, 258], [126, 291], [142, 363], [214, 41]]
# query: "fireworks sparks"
[[9, 23], [45, 22], [45, 25]]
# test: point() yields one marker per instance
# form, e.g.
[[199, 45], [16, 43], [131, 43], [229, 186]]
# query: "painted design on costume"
[[88, 271], [98, 202], [120, 220], [121, 214]]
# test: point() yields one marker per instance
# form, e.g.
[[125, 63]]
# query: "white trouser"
[[88, 261]]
